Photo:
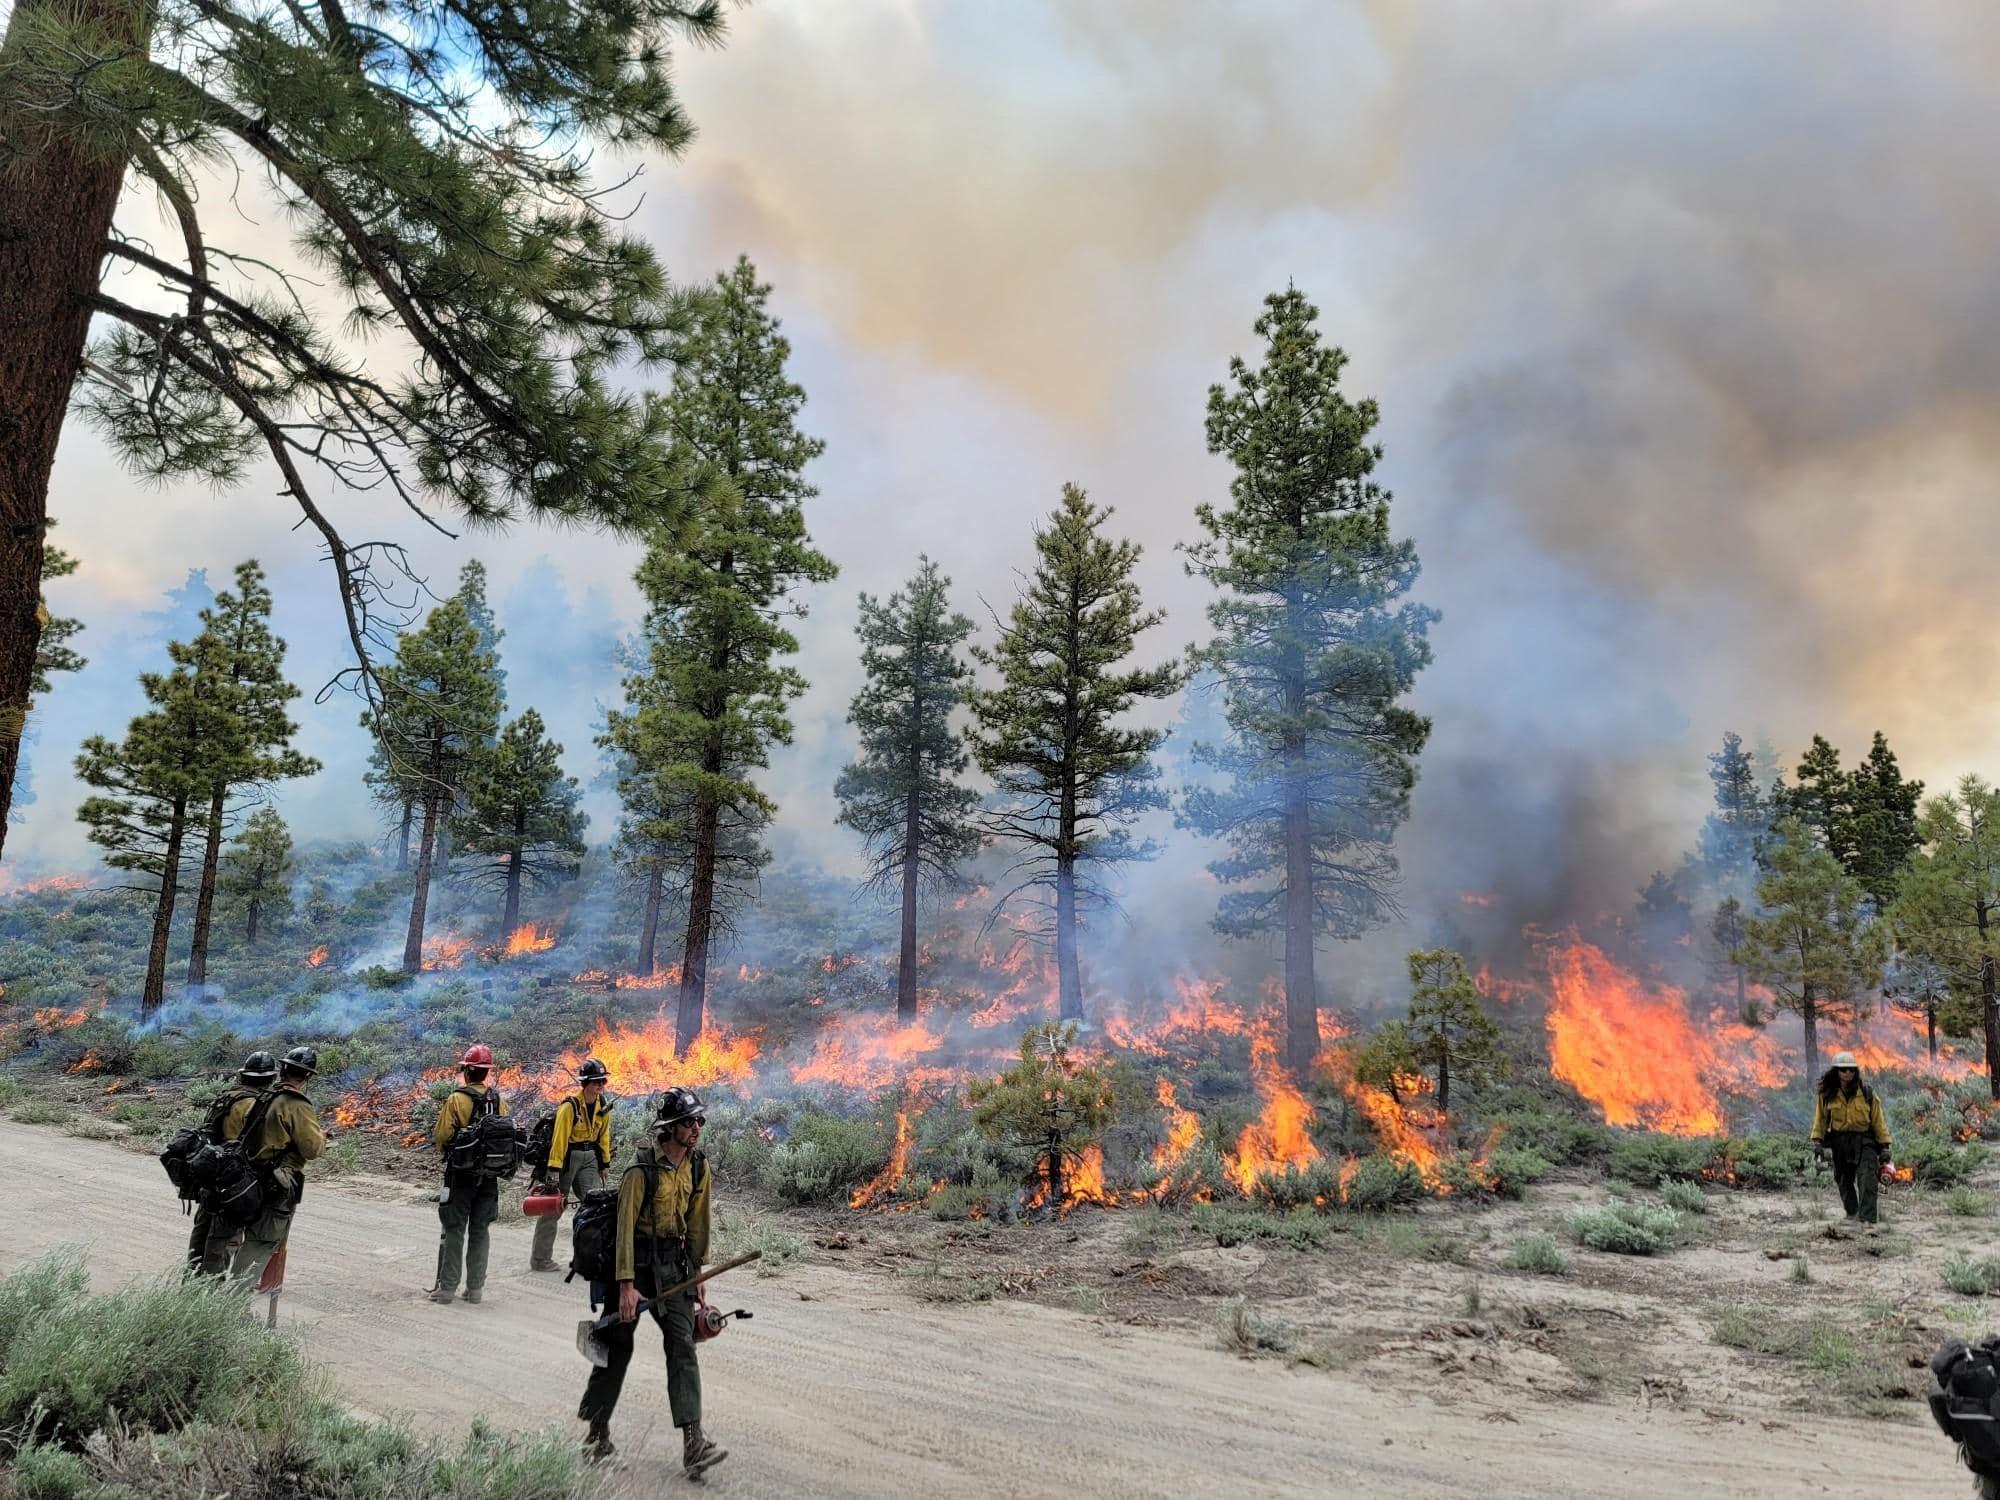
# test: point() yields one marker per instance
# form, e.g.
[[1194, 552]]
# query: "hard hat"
[[593, 1071], [302, 1060], [478, 1055], [1845, 1060], [258, 1067], [677, 1104]]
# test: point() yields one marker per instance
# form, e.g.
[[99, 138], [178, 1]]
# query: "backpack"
[[540, 1139], [181, 1150], [233, 1184], [1965, 1400], [594, 1230], [488, 1145]]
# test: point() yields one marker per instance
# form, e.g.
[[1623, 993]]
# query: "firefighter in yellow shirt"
[[579, 1155], [1847, 1120], [469, 1201], [288, 1137], [211, 1244], [662, 1241]]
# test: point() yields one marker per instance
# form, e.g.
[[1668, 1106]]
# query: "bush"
[[43, 1471], [1314, 1185], [1649, 1160], [1561, 1140], [1972, 1278], [1684, 1197], [1512, 1168], [1537, 1252], [1244, 1331], [1964, 1203], [1228, 1226], [1767, 1161], [1381, 1183], [824, 1157], [1933, 1159], [35, 1112], [738, 1231], [10, 1091], [1625, 1228]]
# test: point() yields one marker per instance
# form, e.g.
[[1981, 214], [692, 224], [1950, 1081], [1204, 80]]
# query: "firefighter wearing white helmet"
[[663, 1202], [1848, 1121], [579, 1155]]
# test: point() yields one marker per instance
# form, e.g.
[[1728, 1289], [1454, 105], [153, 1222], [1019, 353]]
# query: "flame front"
[[1282, 1137], [317, 957], [1628, 1047], [526, 939], [445, 950]]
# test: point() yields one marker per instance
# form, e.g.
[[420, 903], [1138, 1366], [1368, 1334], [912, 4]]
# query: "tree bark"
[[1444, 1080], [1069, 976], [511, 918], [413, 942], [1989, 1008], [204, 901], [906, 964], [1809, 1013], [1301, 982], [256, 912], [1930, 1030], [701, 913], [649, 924], [403, 842], [56, 205], [155, 992]]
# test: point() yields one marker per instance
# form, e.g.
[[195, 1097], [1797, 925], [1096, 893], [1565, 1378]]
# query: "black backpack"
[[180, 1151], [233, 1184], [488, 1145], [594, 1231], [540, 1139], [1965, 1400]]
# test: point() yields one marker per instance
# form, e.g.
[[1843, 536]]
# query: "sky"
[[1680, 315]]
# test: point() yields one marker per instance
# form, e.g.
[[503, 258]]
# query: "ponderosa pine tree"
[[1947, 908], [1817, 800], [1316, 644], [245, 662], [152, 797], [1882, 819], [1813, 944], [903, 796], [710, 698], [1733, 835], [438, 707], [438, 165], [1449, 1031], [257, 872], [1070, 774], [54, 653], [518, 819]]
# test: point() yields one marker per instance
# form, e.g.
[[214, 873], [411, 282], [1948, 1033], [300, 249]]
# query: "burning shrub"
[[989, 1195], [1762, 1161], [1649, 1160], [1381, 1183], [1050, 1101], [823, 1157], [1537, 1252], [1935, 1162], [1314, 1185], [1625, 1228]]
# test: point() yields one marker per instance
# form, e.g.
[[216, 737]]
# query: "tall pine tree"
[[1947, 908], [1070, 776], [237, 652], [1882, 819], [257, 873], [1316, 643], [903, 796], [519, 821], [710, 699], [439, 708], [438, 167], [1733, 835]]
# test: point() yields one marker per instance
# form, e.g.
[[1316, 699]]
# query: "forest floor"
[[1109, 1353]]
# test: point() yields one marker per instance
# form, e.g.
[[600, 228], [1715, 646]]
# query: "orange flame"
[[90, 1062], [317, 957], [641, 1059], [870, 1052], [883, 1183], [659, 979], [528, 938], [1281, 1138], [445, 950]]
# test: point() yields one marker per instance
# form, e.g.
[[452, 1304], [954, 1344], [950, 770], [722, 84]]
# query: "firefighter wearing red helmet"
[[662, 1241], [469, 1200]]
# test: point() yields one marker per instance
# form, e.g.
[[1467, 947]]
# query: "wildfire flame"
[[317, 957], [641, 1058], [528, 938], [869, 1052], [445, 950], [659, 979], [883, 1183], [1282, 1137]]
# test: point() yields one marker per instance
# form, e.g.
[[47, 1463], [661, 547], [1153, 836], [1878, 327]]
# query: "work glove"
[[1819, 1149]]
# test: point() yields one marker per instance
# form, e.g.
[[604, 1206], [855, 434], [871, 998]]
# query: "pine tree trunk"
[[155, 993], [1989, 1008], [1930, 1030], [204, 901], [1444, 1080], [906, 964], [256, 912], [1301, 984], [56, 205], [403, 840], [649, 924], [512, 917], [413, 942], [1742, 996], [1056, 1187], [701, 913], [1809, 1013], [1069, 978]]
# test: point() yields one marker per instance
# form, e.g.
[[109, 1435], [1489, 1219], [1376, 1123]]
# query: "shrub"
[[823, 1157], [738, 1231], [1381, 1183], [1933, 1159], [10, 1091], [1684, 1197], [1767, 1161], [1314, 1185], [1972, 1278], [1200, 1174], [1964, 1203], [1649, 1160], [42, 1471], [35, 1112], [1625, 1228], [1512, 1168], [90, 1128], [1537, 1252], [1561, 1140], [1229, 1225], [1245, 1331]]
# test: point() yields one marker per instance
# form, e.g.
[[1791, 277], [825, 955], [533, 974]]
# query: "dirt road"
[[865, 1391]]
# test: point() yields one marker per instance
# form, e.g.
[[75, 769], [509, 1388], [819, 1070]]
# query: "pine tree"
[[710, 700], [439, 167], [1665, 916], [1733, 835], [1819, 800], [257, 873], [395, 794], [485, 625], [1947, 908], [1316, 642], [439, 706], [1814, 946], [246, 663], [903, 795], [1449, 1032], [1070, 777], [1050, 1101], [1881, 820], [53, 653], [153, 795], [519, 821], [1389, 1060], [1726, 931]]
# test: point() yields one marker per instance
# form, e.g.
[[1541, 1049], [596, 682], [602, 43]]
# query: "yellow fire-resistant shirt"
[[290, 1134], [680, 1209], [456, 1112], [235, 1118], [1849, 1112], [579, 1124]]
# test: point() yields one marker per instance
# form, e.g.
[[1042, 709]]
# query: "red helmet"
[[478, 1055]]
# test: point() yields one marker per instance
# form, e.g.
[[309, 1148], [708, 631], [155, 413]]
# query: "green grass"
[[1537, 1252], [1972, 1278], [740, 1231], [1856, 1369], [1964, 1203], [35, 1112], [1228, 1225], [932, 1282], [1403, 1239]]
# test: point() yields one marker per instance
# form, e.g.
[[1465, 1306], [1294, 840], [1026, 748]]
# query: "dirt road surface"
[[863, 1390]]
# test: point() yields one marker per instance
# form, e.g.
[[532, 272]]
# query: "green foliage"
[[1650, 1160], [1625, 1228], [1381, 1183], [1313, 1185], [823, 1157], [1247, 1332], [1684, 1197], [44, 1471], [1971, 1277], [1947, 900], [1048, 1101], [518, 820], [35, 1112], [1964, 1203], [1562, 1140], [1537, 1252], [1450, 1033], [740, 1230], [10, 1092], [52, 650], [1935, 1161], [1229, 1225], [1070, 776], [257, 873], [1765, 1161], [1389, 1055], [1511, 1169]]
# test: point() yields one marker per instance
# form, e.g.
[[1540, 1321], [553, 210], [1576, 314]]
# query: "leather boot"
[[699, 1454], [597, 1444]]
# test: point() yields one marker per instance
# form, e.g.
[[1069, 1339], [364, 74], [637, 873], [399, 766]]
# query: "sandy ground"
[[847, 1385]]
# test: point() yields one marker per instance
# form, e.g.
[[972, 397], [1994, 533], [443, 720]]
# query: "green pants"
[[264, 1234], [579, 1176], [1857, 1172], [676, 1324], [466, 1214], [210, 1246]]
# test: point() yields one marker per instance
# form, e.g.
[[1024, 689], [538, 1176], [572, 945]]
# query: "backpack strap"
[[699, 1173], [484, 1102], [222, 1104], [252, 1147]]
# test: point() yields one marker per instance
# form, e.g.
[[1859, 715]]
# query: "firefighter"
[[290, 1137], [1847, 1120], [210, 1245], [579, 1155], [469, 1201], [662, 1241]]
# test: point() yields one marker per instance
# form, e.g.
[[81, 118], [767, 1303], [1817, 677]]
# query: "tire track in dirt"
[[866, 1391]]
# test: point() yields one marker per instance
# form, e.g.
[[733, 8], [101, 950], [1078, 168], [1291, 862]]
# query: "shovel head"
[[590, 1342]]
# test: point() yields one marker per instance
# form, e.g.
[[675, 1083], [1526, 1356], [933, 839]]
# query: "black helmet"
[[302, 1060], [593, 1071], [258, 1067], [676, 1104]]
